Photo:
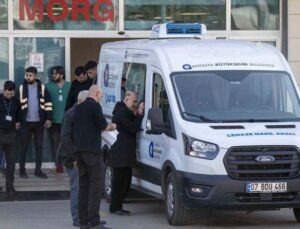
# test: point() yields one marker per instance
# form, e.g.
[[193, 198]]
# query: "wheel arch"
[[167, 168]]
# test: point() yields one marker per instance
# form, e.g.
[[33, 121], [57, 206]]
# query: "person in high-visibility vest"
[[36, 113]]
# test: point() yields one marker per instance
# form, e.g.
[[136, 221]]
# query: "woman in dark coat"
[[123, 152]]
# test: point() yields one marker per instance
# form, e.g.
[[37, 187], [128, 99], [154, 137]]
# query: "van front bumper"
[[220, 191]]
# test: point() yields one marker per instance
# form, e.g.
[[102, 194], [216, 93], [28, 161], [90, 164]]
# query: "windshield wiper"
[[201, 117], [252, 120]]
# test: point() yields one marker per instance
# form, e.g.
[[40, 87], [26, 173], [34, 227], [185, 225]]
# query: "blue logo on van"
[[110, 98], [156, 28], [151, 150], [187, 67], [106, 75]]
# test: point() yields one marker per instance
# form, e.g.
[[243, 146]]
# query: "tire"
[[176, 213], [297, 214], [107, 183]]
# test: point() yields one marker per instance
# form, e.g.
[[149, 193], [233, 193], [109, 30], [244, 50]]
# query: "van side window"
[[160, 100], [135, 75]]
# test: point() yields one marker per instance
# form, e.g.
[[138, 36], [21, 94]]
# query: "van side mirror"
[[155, 124]]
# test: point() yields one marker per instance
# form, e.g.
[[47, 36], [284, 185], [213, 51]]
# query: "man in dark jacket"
[[89, 122], [36, 113], [67, 154], [9, 123], [81, 82], [122, 154]]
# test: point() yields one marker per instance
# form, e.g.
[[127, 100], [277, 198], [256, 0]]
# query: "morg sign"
[[102, 10]]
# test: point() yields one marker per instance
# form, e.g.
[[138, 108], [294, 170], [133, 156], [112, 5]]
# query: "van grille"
[[265, 197], [241, 163]]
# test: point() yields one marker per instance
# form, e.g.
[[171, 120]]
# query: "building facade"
[[45, 33]]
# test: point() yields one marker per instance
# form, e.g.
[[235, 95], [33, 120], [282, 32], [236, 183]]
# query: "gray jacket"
[[67, 148]]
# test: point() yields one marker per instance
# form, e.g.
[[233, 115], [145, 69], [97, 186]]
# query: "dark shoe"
[[11, 191], [100, 226], [59, 169], [40, 174], [23, 175], [84, 227], [102, 222], [3, 171], [76, 224], [121, 212]]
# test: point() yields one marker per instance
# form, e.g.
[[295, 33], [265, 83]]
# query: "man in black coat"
[[128, 118], [89, 122]]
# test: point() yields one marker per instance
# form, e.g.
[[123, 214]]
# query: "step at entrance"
[[34, 188], [55, 181]]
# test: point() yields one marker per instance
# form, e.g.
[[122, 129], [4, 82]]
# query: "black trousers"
[[8, 146], [120, 186], [91, 184], [27, 130], [54, 133]]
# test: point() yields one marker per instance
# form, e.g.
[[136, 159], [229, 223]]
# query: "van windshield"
[[236, 96]]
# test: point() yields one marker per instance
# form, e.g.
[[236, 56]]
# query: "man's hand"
[[48, 124], [18, 125], [111, 126], [141, 109], [135, 111]]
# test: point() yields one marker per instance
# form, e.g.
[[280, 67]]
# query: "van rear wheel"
[[108, 183], [176, 213], [297, 214]]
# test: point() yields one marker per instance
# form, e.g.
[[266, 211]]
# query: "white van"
[[221, 126]]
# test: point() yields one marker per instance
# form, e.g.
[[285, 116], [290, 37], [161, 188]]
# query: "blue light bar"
[[193, 28], [173, 30]]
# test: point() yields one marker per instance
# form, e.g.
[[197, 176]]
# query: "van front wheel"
[[297, 214], [176, 212]]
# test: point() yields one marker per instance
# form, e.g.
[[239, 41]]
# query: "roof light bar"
[[171, 30]]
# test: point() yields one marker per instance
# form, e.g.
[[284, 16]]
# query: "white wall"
[[294, 37]]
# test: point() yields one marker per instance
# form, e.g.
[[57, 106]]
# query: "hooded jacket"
[[67, 147]]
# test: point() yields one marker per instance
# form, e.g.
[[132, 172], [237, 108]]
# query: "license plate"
[[266, 187]]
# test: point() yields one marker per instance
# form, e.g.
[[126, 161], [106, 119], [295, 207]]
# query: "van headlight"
[[200, 149]]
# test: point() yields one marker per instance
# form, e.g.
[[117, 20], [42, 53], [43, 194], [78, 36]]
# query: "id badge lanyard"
[[60, 95], [8, 117]]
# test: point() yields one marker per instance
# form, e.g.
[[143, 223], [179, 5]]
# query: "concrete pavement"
[[146, 214]]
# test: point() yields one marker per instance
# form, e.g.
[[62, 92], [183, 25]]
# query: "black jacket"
[[67, 147], [14, 112], [123, 151], [77, 87], [45, 104], [88, 124]]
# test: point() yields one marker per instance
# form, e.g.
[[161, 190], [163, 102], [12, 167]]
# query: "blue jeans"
[[74, 192], [2, 160]]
